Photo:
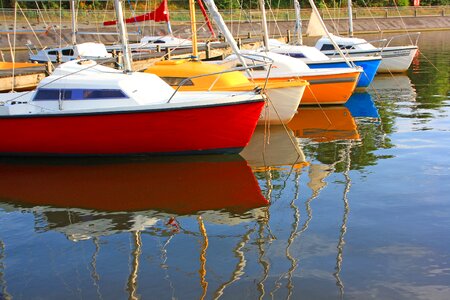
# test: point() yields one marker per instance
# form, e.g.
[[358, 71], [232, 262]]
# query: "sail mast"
[[212, 8], [298, 23], [193, 29], [316, 11], [264, 24], [123, 37], [350, 18], [74, 24]]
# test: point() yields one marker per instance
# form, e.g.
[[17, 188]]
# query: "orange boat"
[[284, 95], [324, 124], [10, 65], [326, 86]]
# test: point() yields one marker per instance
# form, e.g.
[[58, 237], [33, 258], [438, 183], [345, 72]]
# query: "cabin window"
[[67, 52], [52, 94], [176, 81], [102, 94], [159, 42], [78, 94], [296, 55], [54, 52], [326, 47]]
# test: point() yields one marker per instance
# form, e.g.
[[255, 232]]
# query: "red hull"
[[180, 186], [213, 129]]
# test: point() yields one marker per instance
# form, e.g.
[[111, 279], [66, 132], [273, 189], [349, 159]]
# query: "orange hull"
[[325, 89], [10, 65]]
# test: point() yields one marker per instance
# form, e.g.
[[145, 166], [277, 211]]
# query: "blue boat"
[[369, 64], [317, 60]]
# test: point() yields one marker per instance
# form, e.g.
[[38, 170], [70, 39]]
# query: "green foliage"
[[402, 2]]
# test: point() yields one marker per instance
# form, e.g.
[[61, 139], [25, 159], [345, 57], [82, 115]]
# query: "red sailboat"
[[87, 109]]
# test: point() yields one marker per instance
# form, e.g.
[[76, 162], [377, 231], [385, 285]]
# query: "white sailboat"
[[88, 50], [395, 59]]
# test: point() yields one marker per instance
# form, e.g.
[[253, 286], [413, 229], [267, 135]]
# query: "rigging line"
[[41, 14], [133, 14], [264, 262], [330, 18], [34, 33], [96, 23], [291, 239], [371, 16], [403, 22], [319, 105], [63, 76], [240, 266], [428, 60], [274, 20], [247, 15], [341, 243], [94, 274], [163, 264], [4, 14], [169, 52]]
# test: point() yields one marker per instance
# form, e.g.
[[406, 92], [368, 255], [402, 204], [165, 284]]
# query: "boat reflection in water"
[[362, 107], [176, 185], [395, 87], [324, 124], [273, 147]]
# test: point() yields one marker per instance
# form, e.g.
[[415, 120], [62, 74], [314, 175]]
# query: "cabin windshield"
[[326, 47], [176, 81], [78, 94]]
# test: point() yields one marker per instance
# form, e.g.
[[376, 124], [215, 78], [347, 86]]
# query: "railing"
[[178, 16], [256, 60]]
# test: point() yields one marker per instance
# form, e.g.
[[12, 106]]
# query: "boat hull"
[[282, 104], [325, 89], [394, 59], [370, 68], [219, 128]]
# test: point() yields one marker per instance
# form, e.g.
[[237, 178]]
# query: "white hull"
[[282, 105], [394, 59], [397, 60]]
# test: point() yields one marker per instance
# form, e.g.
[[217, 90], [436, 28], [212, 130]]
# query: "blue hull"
[[370, 69]]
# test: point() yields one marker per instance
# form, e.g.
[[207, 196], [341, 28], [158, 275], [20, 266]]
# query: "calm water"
[[353, 205]]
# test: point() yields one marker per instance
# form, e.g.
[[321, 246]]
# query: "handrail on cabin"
[[266, 61]]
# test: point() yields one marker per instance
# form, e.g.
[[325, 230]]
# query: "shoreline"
[[239, 29]]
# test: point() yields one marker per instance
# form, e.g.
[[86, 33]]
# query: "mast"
[[123, 37], [350, 18], [298, 23], [316, 11], [212, 8], [74, 24], [264, 24], [193, 30]]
